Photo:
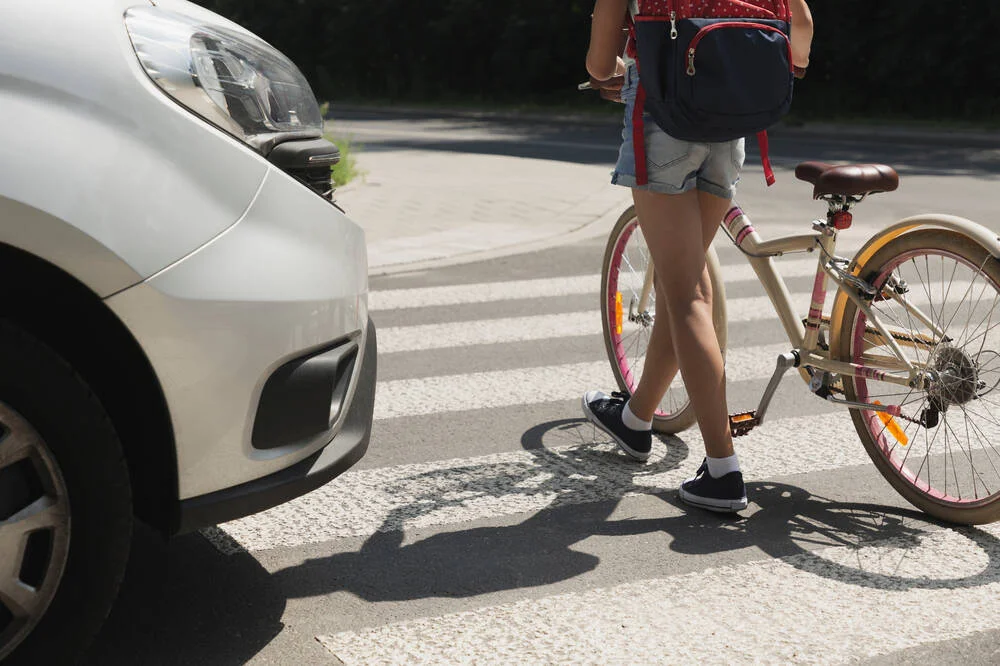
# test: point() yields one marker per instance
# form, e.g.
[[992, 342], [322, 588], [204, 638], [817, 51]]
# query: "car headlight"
[[232, 79]]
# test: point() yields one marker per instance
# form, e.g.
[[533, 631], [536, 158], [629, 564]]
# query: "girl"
[[690, 188]]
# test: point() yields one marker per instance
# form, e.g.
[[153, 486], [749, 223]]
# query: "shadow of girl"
[[569, 485]]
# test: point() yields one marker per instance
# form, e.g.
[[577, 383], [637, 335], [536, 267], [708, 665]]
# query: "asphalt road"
[[490, 523]]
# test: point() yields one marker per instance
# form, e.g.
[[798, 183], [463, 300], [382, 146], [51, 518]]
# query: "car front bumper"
[[222, 327], [346, 449]]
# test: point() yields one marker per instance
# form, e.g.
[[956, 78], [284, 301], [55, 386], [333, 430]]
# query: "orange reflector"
[[890, 424], [740, 418], [618, 313]]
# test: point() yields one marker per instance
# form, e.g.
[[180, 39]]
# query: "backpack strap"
[[638, 108], [765, 157], [639, 136]]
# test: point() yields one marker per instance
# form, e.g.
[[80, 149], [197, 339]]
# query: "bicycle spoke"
[[930, 299], [986, 444], [968, 291], [989, 446], [985, 417], [927, 455], [986, 320], [973, 307], [968, 455], [972, 466]]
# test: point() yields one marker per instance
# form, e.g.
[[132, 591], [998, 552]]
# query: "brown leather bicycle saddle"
[[849, 179]]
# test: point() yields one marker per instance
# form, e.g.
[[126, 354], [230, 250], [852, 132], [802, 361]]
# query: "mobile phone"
[[585, 86]]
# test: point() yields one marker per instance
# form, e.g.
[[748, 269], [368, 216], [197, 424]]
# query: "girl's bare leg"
[[679, 230]]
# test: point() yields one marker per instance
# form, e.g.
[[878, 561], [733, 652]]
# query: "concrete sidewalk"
[[421, 209], [439, 191]]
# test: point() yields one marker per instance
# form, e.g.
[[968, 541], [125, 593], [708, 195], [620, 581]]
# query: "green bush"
[[923, 59]]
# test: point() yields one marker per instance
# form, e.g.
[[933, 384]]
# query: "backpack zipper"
[[673, 25], [693, 47]]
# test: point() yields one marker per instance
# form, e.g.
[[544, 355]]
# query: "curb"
[[889, 134], [599, 226]]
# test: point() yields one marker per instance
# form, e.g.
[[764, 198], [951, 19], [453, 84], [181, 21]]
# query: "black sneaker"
[[725, 495], [605, 412]]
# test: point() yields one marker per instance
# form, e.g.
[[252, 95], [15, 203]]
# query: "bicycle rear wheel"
[[949, 465], [627, 326]]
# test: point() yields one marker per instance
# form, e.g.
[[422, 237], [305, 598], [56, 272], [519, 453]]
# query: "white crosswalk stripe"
[[540, 327], [504, 388], [574, 324], [466, 294]]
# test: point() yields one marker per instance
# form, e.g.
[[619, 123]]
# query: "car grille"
[[317, 179], [309, 161]]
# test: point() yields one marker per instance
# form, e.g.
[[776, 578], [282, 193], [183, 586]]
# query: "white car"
[[184, 334]]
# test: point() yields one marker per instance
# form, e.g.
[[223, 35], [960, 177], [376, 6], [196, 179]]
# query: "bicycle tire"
[[625, 354], [934, 483]]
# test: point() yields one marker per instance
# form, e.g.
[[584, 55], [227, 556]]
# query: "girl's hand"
[[610, 89]]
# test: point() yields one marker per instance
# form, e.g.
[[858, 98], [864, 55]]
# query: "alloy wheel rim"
[[34, 528]]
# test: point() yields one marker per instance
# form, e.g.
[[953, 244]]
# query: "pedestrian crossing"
[[723, 615], [836, 590]]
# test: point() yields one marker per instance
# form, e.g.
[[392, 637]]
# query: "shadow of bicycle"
[[571, 486]]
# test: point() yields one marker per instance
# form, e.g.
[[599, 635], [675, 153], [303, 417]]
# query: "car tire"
[[69, 462]]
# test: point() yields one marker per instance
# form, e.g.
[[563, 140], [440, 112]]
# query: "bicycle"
[[910, 345]]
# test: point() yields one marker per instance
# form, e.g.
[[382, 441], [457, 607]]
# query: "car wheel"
[[65, 506]]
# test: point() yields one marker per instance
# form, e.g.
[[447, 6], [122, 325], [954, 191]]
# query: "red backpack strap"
[[630, 48], [765, 158], [638, 108], [639, 136]]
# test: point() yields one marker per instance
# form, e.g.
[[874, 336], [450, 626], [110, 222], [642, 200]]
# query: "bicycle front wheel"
[[939, 298], [627, 316]]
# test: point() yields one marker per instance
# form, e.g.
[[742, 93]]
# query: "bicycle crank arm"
[[741, 424]]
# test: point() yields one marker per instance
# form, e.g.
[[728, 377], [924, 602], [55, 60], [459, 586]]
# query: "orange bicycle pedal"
[[741, 424]]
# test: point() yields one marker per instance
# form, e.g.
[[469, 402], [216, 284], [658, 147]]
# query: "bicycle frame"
[[804, 335]]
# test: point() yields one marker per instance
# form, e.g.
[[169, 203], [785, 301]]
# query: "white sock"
[[633, 422], [719, 467]]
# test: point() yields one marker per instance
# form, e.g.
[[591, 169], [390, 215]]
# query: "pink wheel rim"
[[617, 342]]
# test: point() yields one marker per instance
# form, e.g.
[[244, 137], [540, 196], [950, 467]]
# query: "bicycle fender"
[[977, 232]]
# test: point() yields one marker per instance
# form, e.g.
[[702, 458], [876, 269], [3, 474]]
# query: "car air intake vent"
[[308, 161], [304, 398]]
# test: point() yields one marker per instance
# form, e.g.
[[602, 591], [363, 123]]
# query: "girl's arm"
[[607, 39], [802, 33]]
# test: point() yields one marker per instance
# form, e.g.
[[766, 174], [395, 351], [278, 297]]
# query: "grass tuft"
[[347, 168]]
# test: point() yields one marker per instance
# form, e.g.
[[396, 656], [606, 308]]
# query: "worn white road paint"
[[571, 463], [539, 327], [825, 607], [487, 292], [572, 468]]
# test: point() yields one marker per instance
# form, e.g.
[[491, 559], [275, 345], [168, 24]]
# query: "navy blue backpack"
[[711, 70]]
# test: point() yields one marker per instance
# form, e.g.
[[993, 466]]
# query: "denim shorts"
[[676, 166]]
